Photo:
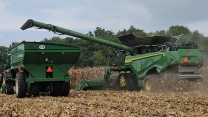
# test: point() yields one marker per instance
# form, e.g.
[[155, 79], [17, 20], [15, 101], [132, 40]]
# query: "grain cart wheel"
[[35, 90], [66, 89], [9, 88], [55, 88], [151, 83], [21, 86]]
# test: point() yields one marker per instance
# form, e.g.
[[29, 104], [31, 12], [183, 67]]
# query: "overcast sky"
[[85, 15]]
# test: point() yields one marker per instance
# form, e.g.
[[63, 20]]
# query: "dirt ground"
[[107, 103]]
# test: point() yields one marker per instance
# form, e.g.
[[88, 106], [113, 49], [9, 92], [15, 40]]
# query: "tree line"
[[94, 54]]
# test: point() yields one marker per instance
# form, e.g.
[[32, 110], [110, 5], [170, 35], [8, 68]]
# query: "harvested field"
[[109, 103]]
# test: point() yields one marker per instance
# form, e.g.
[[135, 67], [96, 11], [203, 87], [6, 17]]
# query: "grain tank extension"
[[149, 61]]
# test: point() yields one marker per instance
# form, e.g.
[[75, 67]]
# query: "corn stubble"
[[109, 103]]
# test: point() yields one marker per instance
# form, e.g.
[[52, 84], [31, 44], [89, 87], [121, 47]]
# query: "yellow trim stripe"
[[137, 58]]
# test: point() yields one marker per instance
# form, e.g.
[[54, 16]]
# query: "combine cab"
[[148, 61], [39, 67]]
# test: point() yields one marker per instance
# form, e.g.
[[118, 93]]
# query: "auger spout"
[[30, 23]]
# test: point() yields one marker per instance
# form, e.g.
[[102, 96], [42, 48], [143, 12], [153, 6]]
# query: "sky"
[[85, 15]]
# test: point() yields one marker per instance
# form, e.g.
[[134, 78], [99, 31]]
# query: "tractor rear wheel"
[[21, 86], [152, 83], [9, 88], [66, 89], [55, 89]]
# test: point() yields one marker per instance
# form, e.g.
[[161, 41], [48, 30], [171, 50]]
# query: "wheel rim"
[[16, 85], [148, 85], [122, 81]]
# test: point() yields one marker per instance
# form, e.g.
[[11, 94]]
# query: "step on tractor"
[[39, 67], [150, 63]]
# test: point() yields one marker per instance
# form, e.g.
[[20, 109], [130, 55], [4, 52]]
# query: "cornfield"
[[108, 103], [85, 74]]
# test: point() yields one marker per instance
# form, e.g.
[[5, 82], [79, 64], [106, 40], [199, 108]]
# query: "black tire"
[[1, 80], [55, 89], [152, 82], [44, 87], [66, 89], [126, 81], [3, 91], [9, 88], [21, 86], [35, 90]]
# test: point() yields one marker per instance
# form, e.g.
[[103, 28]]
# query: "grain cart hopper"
[[148, 60], [40, 67]]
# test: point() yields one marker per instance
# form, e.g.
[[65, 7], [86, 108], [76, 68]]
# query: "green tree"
[[54, 40], [177, 30], [13, 44], [161, 33], [98, 58], [99, 32], [4, 61], [90, 33], [132, 30], [197, 36]]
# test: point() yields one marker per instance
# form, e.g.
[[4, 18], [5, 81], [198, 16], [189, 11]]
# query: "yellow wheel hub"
[[148, 85], [122, 81]]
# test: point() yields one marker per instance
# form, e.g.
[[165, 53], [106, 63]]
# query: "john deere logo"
[[42, 47], [187, 51]]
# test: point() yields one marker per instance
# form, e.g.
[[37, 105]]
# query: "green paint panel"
[[34, 57]]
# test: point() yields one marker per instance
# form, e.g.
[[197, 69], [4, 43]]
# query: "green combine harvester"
[[148, 62], [39, 67]]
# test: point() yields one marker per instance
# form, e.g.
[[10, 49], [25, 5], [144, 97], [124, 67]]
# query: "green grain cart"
[[39, 67], [148, 62]]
